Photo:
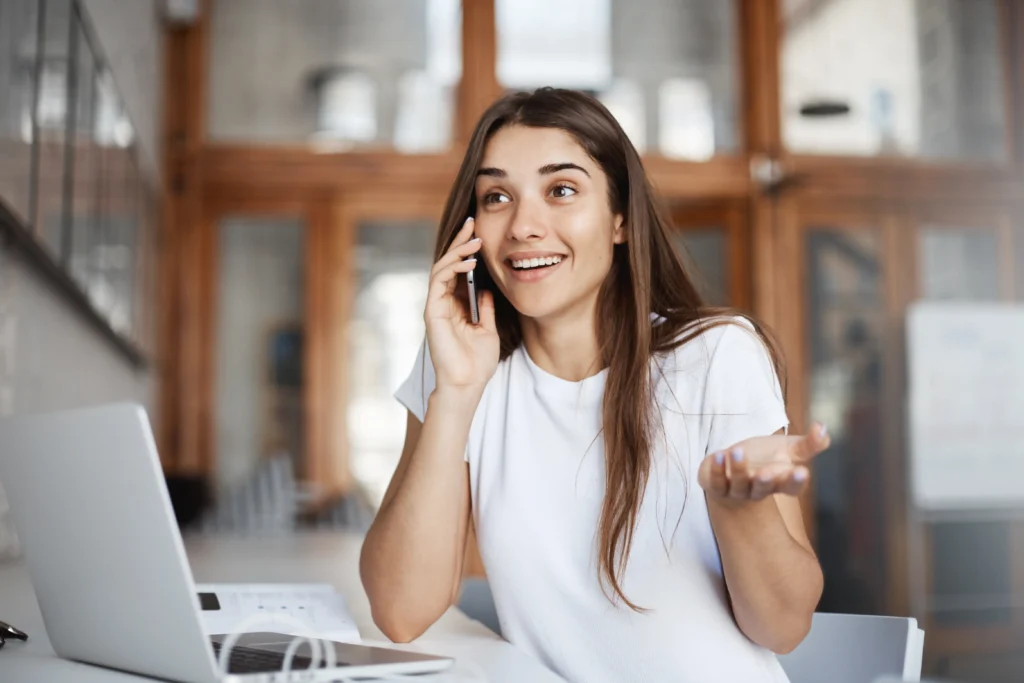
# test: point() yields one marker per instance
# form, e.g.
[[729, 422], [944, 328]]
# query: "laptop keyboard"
[[248, 660]]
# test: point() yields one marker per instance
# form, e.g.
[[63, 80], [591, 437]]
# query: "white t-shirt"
[[537, 480]]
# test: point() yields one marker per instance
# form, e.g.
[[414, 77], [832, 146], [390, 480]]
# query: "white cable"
[[272, 623]]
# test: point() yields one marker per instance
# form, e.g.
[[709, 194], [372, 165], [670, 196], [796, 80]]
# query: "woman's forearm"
[[774, 582], [412, 557]]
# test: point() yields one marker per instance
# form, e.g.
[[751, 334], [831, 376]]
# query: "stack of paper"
[[312, 610]]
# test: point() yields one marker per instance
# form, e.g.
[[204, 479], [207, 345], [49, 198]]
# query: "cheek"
[[590, 238], [489, 255]]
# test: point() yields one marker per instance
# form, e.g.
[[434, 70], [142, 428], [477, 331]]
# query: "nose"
[[527, 223]]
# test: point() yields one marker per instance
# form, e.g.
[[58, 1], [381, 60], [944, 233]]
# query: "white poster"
[[966, 405]]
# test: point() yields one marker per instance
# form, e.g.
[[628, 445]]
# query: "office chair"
[[855, 648]]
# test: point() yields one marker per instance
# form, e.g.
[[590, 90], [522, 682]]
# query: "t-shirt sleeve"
[[417, 387], [743, 396]]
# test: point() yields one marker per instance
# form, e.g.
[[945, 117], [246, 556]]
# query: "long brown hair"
[[646, 277]]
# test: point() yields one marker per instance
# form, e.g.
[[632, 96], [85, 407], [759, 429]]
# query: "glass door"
[[839, 352], [260, 319], [713, 241]]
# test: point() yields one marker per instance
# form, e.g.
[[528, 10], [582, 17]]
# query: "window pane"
[[86, 193], [18, 43], [52, 120], [342, 73], [959, 263], [393, 262], [109, 236], [846, 327], [124, 244], [667, 69], [915, 78], [705, 256], [260, 319]]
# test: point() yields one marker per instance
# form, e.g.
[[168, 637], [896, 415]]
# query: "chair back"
[[855, 648]]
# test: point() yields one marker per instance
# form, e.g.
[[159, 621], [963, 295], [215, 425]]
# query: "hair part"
[[646, 277]]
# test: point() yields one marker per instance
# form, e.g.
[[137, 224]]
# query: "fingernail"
[[737, 455], [822, 431], [720, 457], [475, 239], [800, 475], [764, 478]]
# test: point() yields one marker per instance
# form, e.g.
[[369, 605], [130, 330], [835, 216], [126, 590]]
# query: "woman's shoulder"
[[706, 338], [720, 361], [419, 383]]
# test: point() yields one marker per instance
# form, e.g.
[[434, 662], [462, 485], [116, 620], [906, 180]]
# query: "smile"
[[534, 268], [530, 263]]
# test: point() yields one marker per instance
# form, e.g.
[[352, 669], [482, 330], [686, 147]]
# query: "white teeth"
[[524, 264]]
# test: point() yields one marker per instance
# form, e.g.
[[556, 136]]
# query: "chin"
[[536, 306]]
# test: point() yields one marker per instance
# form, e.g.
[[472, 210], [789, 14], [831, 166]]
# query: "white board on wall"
[[966, 405]]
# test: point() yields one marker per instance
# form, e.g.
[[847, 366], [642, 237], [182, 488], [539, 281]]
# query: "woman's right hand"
[[464, 355]]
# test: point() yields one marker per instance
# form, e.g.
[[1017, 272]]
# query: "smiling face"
[[545, 222]]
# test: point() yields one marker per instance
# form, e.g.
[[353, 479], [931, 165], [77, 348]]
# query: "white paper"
[[966, 405], [312, 610]]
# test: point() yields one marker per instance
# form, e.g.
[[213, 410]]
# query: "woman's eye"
[[495, 198], [562, 191]]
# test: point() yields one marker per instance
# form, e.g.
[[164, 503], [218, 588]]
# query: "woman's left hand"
[[761, 466]]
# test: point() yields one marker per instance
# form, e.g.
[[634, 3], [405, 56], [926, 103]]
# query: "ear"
[[619, 231]]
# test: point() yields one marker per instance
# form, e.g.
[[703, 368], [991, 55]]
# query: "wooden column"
[[183, 361], [479, 86], [760, 39]]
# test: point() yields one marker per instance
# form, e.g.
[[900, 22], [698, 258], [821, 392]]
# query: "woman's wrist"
[[455, 398], [740, 507]]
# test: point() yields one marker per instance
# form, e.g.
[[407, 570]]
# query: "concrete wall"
[[51, 358]]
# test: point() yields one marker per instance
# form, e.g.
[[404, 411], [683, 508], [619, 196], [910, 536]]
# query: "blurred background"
[[225, 209]]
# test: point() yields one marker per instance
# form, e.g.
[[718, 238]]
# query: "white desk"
[[321, 557]]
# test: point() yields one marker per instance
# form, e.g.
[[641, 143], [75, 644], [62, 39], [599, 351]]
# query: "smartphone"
[[474, 308]]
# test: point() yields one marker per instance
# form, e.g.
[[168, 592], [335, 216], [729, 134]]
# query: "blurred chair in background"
[[856, 648], [273, 501]]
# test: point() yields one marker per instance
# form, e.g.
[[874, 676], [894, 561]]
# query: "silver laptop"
[[88, 499]]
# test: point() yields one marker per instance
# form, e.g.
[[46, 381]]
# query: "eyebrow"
[[555, 168], [543, 170]]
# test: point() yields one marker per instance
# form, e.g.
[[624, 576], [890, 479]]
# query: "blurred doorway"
[[259, 293]]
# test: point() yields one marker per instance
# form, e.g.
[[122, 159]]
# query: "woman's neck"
[[565, 347]]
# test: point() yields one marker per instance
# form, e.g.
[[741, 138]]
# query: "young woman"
[[619, 447]]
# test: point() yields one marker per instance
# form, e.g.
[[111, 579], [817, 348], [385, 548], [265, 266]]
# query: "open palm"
[[761, 466]]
